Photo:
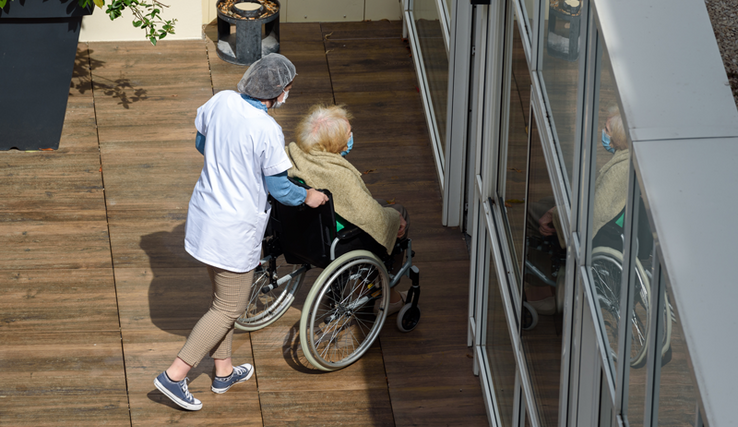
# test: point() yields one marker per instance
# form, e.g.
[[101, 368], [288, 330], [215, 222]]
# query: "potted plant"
[[37, 50]]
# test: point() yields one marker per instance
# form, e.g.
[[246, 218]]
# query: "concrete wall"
[[192, 14]]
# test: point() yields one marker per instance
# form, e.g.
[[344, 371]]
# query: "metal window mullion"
[[505, 102], [522, 17], [583, 92], [655, 335], [555, 175], [510, 312], [474, 284], [457, 115], [627, 292], [488, 390], [443, 17], [602, 342]]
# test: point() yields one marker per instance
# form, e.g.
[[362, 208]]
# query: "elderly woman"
[[324, 138], [611, 193]]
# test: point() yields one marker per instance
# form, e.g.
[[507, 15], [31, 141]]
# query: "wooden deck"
[[97, 294]]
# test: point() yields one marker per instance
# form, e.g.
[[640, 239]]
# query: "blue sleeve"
[[200, 143], [284, 191]]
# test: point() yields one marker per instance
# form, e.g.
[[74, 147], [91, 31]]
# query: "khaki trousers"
[[214, 331]]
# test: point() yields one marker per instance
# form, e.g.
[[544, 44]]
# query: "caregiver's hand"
[[315, 198]]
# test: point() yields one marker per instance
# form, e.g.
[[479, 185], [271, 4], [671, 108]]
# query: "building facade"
[[586, 148]]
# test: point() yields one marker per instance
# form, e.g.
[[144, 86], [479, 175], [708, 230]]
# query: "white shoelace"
[[237, 370], [185, 390]]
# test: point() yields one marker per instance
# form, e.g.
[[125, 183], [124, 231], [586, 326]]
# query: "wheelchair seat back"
[[305, 234]]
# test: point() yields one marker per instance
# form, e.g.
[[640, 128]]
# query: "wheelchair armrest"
[[349, 232]]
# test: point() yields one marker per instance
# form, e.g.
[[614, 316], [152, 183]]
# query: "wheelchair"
[[607, 269], [346, 306]]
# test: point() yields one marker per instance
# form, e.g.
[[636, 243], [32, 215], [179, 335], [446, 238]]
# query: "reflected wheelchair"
[[606, 269], [347, 304]]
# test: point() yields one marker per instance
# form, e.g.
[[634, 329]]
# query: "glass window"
[[560, 70], [607, 207], [677, 391], [514, 162], [501, 358], [435, 60], [543, 283], [640, 285]]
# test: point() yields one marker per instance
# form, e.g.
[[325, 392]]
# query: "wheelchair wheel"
[[529, 318], [607, 272], [267, 305], [338, 323], [408, 318]]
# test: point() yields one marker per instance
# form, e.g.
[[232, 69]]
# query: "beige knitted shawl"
[[351, 199], [611, 189]]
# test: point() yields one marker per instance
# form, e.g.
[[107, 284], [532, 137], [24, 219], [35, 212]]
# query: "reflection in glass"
[[560, 73], [435, 60], [677, 391], [608, 206], [605, 404], [499, 348], [515, 163], [545, 264], [640, 286]]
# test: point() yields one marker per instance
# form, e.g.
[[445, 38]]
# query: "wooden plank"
[[32, 245], [149, 239], [150, 175], [330, 408], [366, 30], [54, 181], [370, 65], [389, 117], [282, 366], [148, 353], [166, 299], [440, 405], [59, 410], [58, 300]]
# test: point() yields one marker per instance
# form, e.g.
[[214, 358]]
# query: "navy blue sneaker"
[[239, 374], [177, 391]]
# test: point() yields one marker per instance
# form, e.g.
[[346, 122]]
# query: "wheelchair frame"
[[339, 322], [606, 270]]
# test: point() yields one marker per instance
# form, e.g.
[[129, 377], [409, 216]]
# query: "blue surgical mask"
[[349, 144], [606, 142]]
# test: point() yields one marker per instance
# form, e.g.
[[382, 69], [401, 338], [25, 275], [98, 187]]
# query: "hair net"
[[267, 77]]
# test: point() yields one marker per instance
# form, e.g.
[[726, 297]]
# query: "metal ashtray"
[[248, 9]]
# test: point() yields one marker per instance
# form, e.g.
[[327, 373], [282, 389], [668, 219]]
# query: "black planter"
[[38, 44]]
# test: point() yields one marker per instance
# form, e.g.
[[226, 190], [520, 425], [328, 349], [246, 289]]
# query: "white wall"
[[192, 14], [99, 27]]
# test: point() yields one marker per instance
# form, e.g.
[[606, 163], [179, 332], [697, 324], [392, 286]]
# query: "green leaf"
[[153, 40], [3, 3], [136, 24], [99, 3]]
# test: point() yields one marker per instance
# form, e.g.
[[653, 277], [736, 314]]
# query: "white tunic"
[[228, 210]]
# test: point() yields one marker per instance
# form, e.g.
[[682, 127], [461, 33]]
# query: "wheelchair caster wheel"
[[529, 317], [408, 318]]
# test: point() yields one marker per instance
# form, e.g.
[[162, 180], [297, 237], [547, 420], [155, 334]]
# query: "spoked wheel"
[[339, 322], [266, 303], [607, 273]]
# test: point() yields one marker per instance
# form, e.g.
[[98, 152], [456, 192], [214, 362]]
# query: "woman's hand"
[[315, 198], [546, 223], [403, 225]]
